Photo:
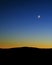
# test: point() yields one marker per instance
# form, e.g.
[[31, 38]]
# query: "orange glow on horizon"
[[20, 44]]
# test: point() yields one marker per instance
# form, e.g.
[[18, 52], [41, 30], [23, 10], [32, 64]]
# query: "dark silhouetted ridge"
[[25, 54]]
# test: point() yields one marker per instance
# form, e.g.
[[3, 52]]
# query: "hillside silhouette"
[[25, 54]]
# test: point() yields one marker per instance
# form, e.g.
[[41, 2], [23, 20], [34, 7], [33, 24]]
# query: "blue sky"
[[19, 21]]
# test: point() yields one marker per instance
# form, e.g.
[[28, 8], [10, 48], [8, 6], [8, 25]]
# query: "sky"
[[26, 23]]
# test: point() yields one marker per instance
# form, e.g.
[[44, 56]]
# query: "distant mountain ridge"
[[23, 53], [26, 50]]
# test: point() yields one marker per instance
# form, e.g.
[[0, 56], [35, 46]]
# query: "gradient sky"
[[20, 26]]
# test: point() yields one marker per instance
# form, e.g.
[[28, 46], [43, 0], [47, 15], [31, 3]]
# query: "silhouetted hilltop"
[[26, 50], [25, 54]]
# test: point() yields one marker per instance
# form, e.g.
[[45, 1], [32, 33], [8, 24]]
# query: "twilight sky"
[[20, 25]]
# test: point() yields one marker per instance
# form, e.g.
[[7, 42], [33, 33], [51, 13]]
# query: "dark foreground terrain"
[[25, 55]]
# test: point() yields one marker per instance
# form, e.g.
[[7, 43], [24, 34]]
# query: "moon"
[[38, 16]]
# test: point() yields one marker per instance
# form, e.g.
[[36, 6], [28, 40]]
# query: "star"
[[38, 16]]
